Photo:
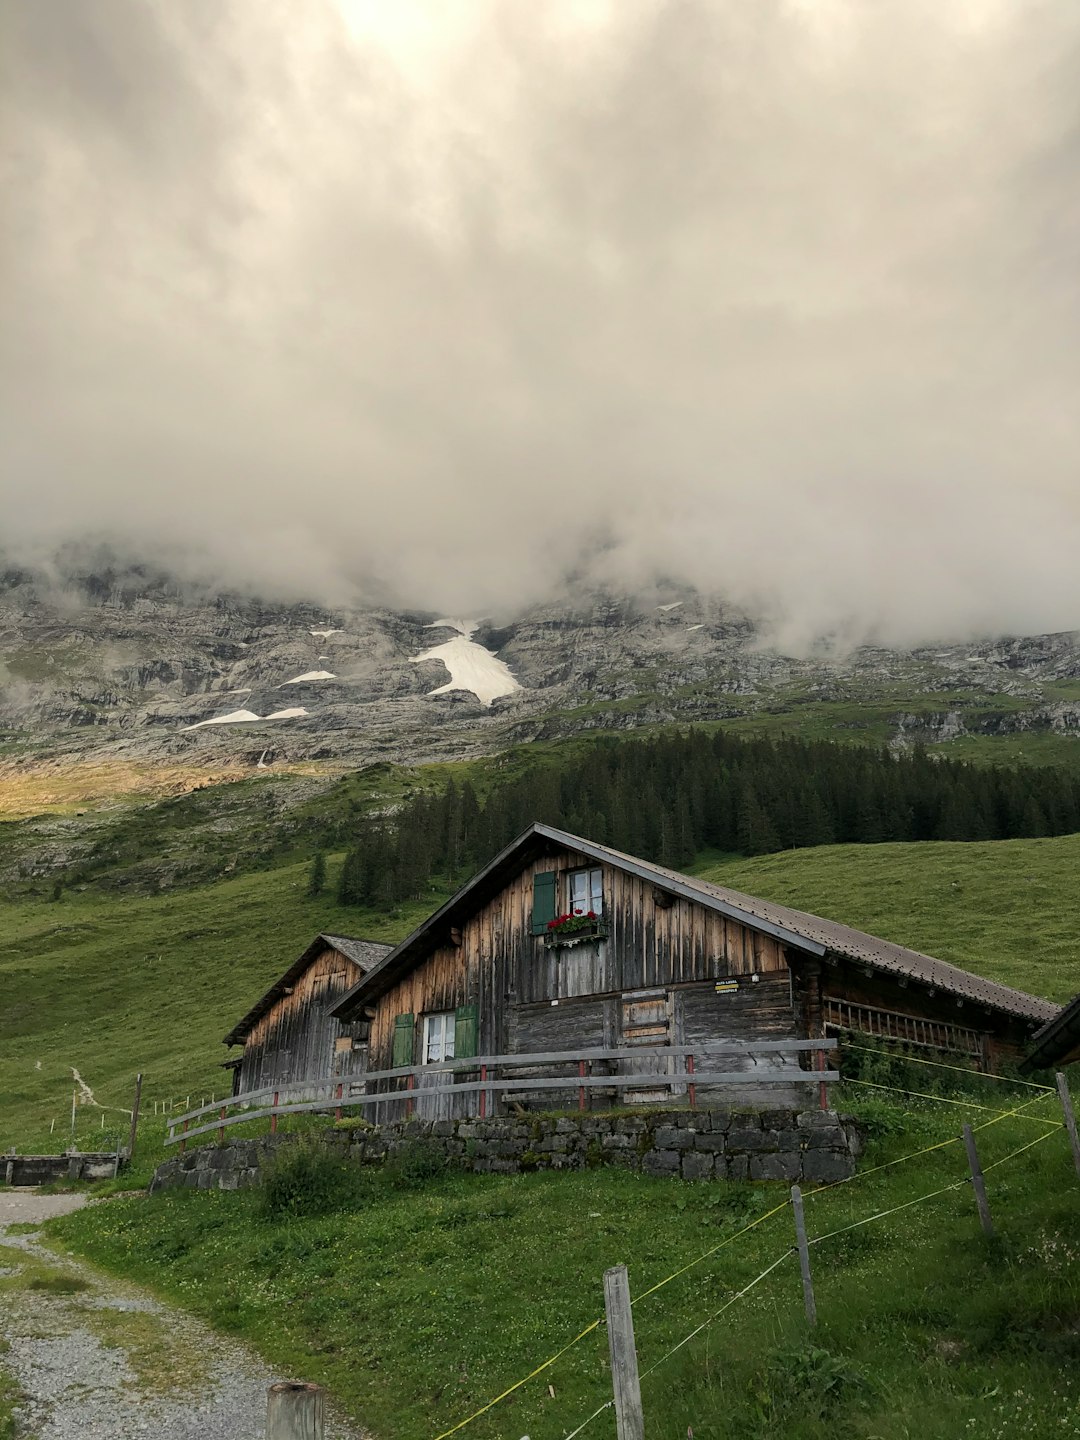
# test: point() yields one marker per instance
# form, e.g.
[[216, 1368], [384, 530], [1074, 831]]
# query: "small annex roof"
[[1057, 1039], [365, 953], [797, 929]]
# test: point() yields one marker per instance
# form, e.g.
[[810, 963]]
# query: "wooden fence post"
[[295, 1411], [977, 1181], [134, 1116], [823, 1089], [337, 1096], [483, 1093], [410, 1081], [183, 1143], [1070, 1118], [691, 1089], [273, 1114], [804, 1255], [581, 1088], [629, 1420]]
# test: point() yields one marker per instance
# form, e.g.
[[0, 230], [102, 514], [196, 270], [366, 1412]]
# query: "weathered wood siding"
[[512, 976], [297, 1040]]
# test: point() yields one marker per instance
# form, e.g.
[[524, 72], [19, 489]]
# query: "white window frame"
[[593, 886], [438, 1034]]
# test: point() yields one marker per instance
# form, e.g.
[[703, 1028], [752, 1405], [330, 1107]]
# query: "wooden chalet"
[[654, 958], [289, 1035], [1058, 1042]]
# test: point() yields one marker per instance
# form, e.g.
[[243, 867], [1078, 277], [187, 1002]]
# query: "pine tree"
[[317, 875]]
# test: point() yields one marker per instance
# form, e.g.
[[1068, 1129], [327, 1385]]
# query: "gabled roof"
[[795, 928], [1056, 1039], [364, 953]]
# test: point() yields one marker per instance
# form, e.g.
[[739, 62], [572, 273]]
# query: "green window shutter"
[[466, 1027], [543, 901], [403, 1041]]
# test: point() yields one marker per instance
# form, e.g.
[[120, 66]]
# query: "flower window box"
[[575, 928]]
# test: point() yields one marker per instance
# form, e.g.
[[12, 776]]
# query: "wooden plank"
[[522, 1084], [977, 1181], [629, 1419], [1070, 1118], [809, 1303]]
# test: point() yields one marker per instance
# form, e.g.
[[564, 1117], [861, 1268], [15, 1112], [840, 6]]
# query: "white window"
[[438, 1037], [586, 892]]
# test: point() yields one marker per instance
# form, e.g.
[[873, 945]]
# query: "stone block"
[[617, 1142], [738, 1167], [660, 1162], [750, 1140], [825, 1138], [696, 1165], [812, 1119], [775, 1167], [710, 1144], [566, 1127], [229, 1180], [467, 1130], [826, 1166], [629, 1124], [670, 1137], [720, 1167], [777, 1119], [442, 1127]]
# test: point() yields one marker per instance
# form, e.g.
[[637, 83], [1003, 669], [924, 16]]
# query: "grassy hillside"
[[419, 1301], [1007, 909], [153, 982]]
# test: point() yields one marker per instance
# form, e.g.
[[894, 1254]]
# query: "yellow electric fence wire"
[[956, 1185], [944, 1099], [941, 1144], [523, 1381], [722, 1245], [940, 1065]]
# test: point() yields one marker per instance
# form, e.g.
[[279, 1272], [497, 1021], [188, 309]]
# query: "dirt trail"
[[98, 1359]]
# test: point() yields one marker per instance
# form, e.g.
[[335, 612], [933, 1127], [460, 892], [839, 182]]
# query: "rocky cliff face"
[[129, 664]]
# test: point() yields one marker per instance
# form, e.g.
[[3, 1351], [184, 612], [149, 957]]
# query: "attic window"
[[586, 892]]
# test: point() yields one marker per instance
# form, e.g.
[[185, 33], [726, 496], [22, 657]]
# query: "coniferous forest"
[[667, 799]]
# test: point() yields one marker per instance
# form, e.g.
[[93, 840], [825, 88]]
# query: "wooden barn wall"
[[1005, 1035], [500, 965], [296, 1039]]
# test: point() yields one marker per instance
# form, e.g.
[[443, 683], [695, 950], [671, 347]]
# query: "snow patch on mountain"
[[310, 675], [471, 667], [325, 634], [247, 717]]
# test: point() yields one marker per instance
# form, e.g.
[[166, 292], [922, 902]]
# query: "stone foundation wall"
[[812, 1145], [41, 1169]]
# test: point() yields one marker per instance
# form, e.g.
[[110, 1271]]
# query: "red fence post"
[[692, 1086], [581, 1088], [823, 1089], [183, 1143], [483, 1093], [273, 1114], [221, 1127], [337, 1096], [408, 1086]]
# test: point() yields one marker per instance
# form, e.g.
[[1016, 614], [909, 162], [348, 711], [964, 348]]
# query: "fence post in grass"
[[273, 1113], [629, 1420], [134, 1116], [804, 1255], [1070, 1118], [977, 1181], [295, 1411]]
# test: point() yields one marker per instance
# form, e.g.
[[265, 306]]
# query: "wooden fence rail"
[[337, 1093]]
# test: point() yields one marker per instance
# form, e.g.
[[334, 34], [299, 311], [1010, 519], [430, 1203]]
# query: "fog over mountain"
[[439, 303]]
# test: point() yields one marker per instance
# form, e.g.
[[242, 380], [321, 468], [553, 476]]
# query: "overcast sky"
[[776, 297]]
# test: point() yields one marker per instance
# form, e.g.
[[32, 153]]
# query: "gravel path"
[[98, 1359]]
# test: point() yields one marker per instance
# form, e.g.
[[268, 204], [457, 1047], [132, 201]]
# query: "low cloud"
[[441, 304]]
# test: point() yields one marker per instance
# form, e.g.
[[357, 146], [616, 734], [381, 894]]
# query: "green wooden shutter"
[[466, 1026], [543, 901], [403, 1041]]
